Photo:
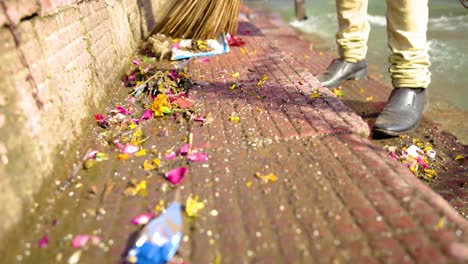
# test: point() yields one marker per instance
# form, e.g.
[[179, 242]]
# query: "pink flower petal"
[[132, 99], [92, 154], [170, 156], [199, 156], [130, 149], [147, 114], [176, 175], [204, 60], [95, 240], [422, 163], [122, 110], [43, 242], [174, 75], [142, 219], [199, 119], [184, 150], [136, 62], [80, 241]]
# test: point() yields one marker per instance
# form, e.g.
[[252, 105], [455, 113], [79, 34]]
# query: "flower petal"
[[130, 149], [122, 110], [184, 150], [43, 242], [176, 175], [199, 156], [193, 206], [80, 241], [147, 114], [170, 156], [142, 219]]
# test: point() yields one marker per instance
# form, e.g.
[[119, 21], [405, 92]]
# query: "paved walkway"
[[338, 198]]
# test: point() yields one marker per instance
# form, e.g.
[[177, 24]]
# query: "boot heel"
[[361, 74]]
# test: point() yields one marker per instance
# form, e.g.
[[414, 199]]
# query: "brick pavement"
[[338, 199]]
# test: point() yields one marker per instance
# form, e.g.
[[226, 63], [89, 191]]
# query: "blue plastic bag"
[[159, 239]]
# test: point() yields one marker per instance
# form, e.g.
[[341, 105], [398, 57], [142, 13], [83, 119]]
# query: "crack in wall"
[[16, 37]]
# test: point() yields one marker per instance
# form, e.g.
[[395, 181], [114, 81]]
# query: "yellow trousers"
[[406, 30]]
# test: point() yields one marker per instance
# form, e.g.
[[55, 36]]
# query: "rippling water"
[[447, 35]]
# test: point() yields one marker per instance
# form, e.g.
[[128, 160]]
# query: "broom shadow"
[[145, 8]]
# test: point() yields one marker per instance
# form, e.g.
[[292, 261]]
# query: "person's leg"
[[352, 36], [406, 28], [353, 31]]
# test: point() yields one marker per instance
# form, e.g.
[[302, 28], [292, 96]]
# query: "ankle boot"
[[340, 70]]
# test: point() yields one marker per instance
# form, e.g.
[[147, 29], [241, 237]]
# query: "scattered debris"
[[267, 178], [193, 206], [159, 239]]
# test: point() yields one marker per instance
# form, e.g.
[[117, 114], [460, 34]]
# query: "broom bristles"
[[200, 19]]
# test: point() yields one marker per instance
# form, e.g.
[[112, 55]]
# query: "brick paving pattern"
[[338, 199]]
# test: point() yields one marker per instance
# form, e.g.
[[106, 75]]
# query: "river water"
[[448, 43]]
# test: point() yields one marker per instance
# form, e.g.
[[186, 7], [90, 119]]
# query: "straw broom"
[[199, 19]]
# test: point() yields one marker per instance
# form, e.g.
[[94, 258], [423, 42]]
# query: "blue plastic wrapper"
[[160, 238]]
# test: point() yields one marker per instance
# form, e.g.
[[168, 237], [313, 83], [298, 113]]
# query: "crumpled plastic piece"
[[160, 238]]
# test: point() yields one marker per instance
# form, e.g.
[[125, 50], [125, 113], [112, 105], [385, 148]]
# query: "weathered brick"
[[49, 6], [18, 9]]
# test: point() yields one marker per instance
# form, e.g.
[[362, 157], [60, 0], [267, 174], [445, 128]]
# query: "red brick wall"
[[58, 60]]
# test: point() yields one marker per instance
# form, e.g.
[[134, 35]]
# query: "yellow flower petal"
[[148, 166], [234, 119], [159, 103], [193, 206], [315, 94], [157, 162], [267, 178], [140, 153], [123, 156], [337, 92], [159, 207], [248, 184], [236, 75]]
